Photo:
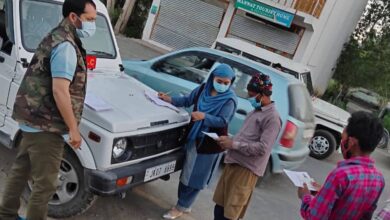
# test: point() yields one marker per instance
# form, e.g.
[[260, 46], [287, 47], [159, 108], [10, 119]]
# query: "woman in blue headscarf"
[[216, 105]]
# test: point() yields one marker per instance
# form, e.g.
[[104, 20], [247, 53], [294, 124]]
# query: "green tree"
[[138, 18], [365, 61], [128, 16], [375, 19]]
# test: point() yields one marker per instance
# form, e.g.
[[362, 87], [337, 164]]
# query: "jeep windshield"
[[38, 18]]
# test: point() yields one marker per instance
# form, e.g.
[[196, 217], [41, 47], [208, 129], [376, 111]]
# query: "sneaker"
[[174, 213], [187, 211]]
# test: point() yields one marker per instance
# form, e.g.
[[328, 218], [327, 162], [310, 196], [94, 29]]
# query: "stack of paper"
[[299, 178], [96, 103], [212, 135], [153, 97]]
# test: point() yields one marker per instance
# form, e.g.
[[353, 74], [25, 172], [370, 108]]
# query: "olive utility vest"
[[35, 105]]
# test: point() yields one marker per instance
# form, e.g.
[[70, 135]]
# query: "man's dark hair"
[[367, 129], [75, 6]]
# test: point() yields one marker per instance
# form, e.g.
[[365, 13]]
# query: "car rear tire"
[[72, 197], [322, 144]]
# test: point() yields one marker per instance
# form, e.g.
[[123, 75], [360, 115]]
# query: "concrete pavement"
[[274, 199], [131, 48]]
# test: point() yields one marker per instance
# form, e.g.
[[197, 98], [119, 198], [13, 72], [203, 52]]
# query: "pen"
[[162, 93]]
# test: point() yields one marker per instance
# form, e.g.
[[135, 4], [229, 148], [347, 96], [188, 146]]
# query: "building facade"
[[310, 32]]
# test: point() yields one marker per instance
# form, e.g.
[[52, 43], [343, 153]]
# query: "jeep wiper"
[[102, 53]]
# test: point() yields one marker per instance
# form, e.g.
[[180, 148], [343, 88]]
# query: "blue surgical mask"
[[220, 88], [254, 103], [88, 29]]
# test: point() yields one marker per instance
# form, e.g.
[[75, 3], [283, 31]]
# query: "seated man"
[[352, 189]]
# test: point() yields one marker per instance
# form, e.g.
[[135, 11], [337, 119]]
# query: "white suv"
[[134, 142]]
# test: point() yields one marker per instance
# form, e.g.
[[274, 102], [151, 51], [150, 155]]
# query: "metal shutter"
[[187, 23], [257, 32]]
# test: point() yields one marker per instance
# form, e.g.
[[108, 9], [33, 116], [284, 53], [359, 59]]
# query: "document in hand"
[[299, 178], [212, 135], [153, 97], [96, 103]]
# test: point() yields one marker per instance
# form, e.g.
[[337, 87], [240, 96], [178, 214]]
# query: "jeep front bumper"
[[105, 183]]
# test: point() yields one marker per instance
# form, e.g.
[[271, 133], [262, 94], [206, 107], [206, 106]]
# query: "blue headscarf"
[[213, 104]]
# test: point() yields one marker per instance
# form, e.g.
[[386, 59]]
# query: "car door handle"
[[241, 112], [2, 59]]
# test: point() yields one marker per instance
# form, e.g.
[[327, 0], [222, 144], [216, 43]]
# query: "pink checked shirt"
[[351, 192]]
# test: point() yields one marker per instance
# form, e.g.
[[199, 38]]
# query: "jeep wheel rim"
[[67, 184], [319, 145]]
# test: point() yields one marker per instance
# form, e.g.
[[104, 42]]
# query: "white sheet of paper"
[[96, 103], [212, 135], [153, 96], [298, 178]]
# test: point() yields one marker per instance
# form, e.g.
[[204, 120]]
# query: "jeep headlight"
[[119, 149]]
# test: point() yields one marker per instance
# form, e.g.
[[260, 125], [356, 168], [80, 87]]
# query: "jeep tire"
[[72, 196]]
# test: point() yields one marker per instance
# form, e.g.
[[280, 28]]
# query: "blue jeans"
[[187, 196]]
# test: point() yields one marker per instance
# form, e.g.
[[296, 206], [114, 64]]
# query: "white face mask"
[[220, 88], [254, 103], [88, 29]]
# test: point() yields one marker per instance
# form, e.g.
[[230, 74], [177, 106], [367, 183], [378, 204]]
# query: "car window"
[[291, 72], [2, 23], [226, 48], [300, 106], [194, 67], [243, 76], [307, 80], [256, 59], [38, 18], [5, 43]]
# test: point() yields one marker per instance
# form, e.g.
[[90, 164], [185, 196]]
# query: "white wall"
[[322, 42], [150, 22], [331, 31], [306, 40], [226, 21]]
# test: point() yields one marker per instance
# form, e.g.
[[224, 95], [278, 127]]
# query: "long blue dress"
[[219, 109], [198, 169]]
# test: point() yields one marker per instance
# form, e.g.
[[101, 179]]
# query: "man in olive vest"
[[48, 105]]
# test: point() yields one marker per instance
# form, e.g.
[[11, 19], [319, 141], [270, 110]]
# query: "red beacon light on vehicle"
[[91, 62]]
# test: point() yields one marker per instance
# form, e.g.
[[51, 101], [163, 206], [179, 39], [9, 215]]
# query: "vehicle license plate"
[[158, 171]]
